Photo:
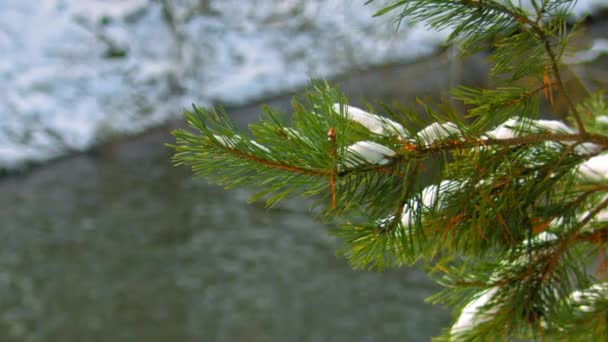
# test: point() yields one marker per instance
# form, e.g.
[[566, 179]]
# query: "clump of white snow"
[[518, 126], [601, 119], [473, 313], [506, 130], [432, 196], [542, 237], [515, 126], [375, 123], [438, 131], [598, 48], [594, 169], [552, 126], [587, 148], [585, 300], [364, 153], [586, 7]]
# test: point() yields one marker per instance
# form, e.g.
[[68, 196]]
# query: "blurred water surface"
[[121, 246]]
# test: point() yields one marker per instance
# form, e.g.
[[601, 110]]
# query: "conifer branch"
[[555, 65], [510, 204], [493, 5], [277, 165], [562, 89], [599, 236], [538, 29], [603, 205], [448, 145], [334, 169], [588, 192], [407, 196]]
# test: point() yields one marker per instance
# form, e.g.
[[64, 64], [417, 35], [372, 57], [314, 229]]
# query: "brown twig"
[[334, 170], [277, 165], [542, 35], [524, 140], [560, 85], [603, 205]]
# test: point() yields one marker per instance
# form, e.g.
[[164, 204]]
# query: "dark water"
[[118, 245], [127, 248]]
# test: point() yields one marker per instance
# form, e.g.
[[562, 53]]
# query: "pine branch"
[[562, 88], [508, 211], [603, 205], [444, 146], [489, 18], [277, 165]]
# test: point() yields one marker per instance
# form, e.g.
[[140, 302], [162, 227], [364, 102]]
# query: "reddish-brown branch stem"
[[603, 205], [581, 198], [334, 169], [524, 140], [277, 165], [599, 235], [542, 35], [442, 146]]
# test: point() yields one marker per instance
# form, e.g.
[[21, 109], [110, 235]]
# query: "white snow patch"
[[375, 123], [98, 9], [438, 131], [515, 126], [585, 299], [505, 130], [602, 119], [587, 148], [431, 197], [472, 314], [586, 7], [594, 169], [539, 239], [602, 216], [434, 195], [367, 153], [552, 126], [598, 48]]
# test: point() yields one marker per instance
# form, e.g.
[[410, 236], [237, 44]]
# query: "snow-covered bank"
[[585, 7], [80, 71]]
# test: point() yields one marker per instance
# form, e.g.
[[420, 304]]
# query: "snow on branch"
[[594, 169], [368, 153], [374, 123]]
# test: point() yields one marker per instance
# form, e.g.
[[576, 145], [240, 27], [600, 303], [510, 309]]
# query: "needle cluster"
[[507, 209]]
